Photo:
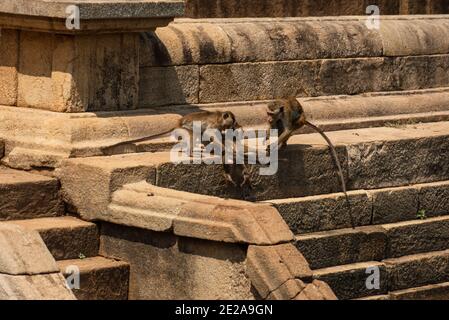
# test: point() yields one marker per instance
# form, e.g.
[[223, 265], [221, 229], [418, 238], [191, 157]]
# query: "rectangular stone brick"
[[417, 236], [434, 198], [78, 73], [9, 57], [269, 80], [394, 204], [324, 212], [349, 281], [418, 270], [344, 246], [168, 85]]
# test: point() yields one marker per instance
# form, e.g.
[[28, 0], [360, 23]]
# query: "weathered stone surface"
[[317, 290], [65, 237], [253, 81], [376, 298], [344, 246], [410, 160], [438, 291], [269, 267], [185, 44], [36, 139], [87, 186], [414, 37], [9, 57], [23, 252], [287, 291], [100, 278], [210, 42], [57, 72], [289, 8], [394, 204], [410, 237], [168, 85], [26, 195], [186, 268], [36, 287], [149, 207], [95, 16], [434, 198], [324, 212], [349, 281], [418, 270], [94, 9]]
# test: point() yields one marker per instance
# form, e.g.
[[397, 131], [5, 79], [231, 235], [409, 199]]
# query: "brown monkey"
[[287, 116], [209, 120]]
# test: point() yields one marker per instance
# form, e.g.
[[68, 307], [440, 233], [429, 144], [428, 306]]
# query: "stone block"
[[417, 270], [411, 237], [9, 58], [168, 85], [23, 252], [434, 198], [344, 246], [34, 287], [186, 268], [394, 204], [349, 281], [324, 212], [78, 73]]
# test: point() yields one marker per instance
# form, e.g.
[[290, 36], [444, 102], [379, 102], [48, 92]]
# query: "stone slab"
[[418, 236], [23, 252], [100, 278], [186, 268], [26, 195], [344, 246], [65, 237], [305, 78], [418, 270], [35, 287], [349, 281]]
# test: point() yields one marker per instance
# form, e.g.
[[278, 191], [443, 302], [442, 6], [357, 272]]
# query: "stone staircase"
[[399, 190], [32, 201], [381, 94]]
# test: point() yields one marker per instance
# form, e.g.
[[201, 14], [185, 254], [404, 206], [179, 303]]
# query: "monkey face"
[[274, 112], [228, 120]]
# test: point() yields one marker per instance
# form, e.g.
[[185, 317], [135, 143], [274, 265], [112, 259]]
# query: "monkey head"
[[228, 121], [275, 111]]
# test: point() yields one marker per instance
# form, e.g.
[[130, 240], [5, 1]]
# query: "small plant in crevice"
[[81, 256], [421, 214]]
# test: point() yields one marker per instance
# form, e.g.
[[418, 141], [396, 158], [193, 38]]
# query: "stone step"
[[439, 291], [368, 207], [374, 243], [65, 237], [301, 8], [27, 195], [349, 281], [418, 270], [331, 113], [371, 158], [100, 278]]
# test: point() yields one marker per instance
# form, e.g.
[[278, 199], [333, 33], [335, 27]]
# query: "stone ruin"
[[121, 225]]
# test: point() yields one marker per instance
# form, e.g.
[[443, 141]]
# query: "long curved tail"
[[109, 149], [337, 163]]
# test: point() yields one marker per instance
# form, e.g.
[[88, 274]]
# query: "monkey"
[[287, 116], [238, 175], [218, 120]]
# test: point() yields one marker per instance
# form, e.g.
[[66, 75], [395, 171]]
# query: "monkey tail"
[[337, 163], [109, 150]]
